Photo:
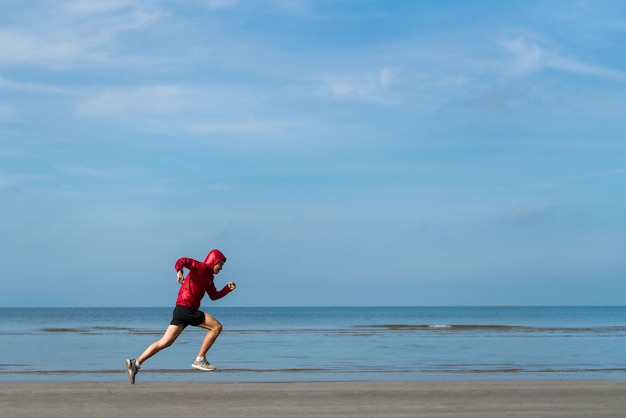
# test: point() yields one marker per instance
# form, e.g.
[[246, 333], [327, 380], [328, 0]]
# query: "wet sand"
[[485, 399]]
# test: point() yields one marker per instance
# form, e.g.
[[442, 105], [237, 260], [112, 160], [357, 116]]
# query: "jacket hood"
[[214, 257]]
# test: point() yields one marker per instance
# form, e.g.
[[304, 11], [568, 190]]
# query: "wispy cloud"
[[291, 6], [217, 187], [260, 128], [85, 171], [73, 35], [143, 102], [38, 49], [219, 4], [84, 7], [27, 87], [526, 56], [522, 214], [529, 56], [16, 181], [87, 7], [371, 87], [546, 186], [577, 67], [7, 112], [196, 110]]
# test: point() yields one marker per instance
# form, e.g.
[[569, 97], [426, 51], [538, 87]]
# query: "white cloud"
[[546, 186], [13, 181], [219, 4], [28, 87], [7, 112], [167, 103], [363, 87], [18, 47], [263, 127], [216, 188], [522, 214], [195, 110], [67, 40], [139, 102], [82, 171], [291, 6], [577, 67], [529, 56], [617, 171], [386, 76], [85, 7]]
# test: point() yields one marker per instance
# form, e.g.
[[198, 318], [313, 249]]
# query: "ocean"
[[278, 344]]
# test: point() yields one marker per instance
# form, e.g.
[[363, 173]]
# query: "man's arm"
[[214, 294], [188, 263]]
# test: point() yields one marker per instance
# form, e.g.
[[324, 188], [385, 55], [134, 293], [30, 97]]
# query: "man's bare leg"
[[171, 334], [214, 329]]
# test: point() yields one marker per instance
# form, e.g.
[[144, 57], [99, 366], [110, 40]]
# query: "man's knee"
[[212, 324]]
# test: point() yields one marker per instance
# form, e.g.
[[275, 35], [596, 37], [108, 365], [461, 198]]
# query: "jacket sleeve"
[[214, 294], [188, 263]]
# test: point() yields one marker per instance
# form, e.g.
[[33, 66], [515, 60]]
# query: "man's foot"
[[203, 365], [131, 370]]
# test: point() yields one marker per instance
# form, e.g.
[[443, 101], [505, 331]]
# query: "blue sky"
[[338, 152]]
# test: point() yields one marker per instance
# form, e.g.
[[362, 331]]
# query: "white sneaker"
[[203, 365], [131, 370]]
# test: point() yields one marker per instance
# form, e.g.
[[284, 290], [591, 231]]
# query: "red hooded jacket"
[[199, 280]]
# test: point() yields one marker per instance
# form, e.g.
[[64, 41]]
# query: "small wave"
[[99, 330], [516, 370], [490, 327], [53, 329]]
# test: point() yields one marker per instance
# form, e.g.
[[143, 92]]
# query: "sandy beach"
[[484, 399]]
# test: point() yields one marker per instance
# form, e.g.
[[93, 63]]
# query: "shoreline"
[[473, 399]]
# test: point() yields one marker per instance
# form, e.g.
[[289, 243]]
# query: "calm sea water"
[[311, 344]]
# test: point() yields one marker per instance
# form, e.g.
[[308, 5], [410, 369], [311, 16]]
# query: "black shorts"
[[183, 316]]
